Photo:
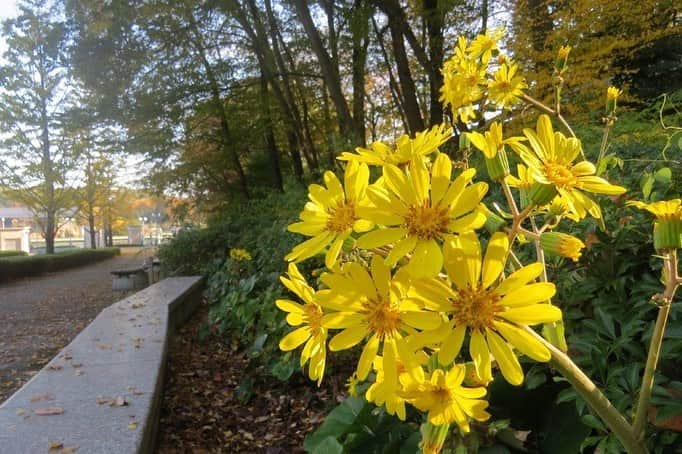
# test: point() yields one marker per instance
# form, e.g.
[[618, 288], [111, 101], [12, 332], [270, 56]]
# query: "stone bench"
[[130, 279], [102, 393]]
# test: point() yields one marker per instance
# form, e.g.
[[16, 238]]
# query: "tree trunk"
[[415, 122], [93, 233], [219, 106], [330, 73], [270, 142], [434, 17], [360, 33], [295, 156]]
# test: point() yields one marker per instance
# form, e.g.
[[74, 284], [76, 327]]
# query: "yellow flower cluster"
[[473, 77], [240, 255], [425, 285], [433, 304]]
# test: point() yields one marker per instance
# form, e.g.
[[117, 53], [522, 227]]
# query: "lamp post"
[[143, 219]]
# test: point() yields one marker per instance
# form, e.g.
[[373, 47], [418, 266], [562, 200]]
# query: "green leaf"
[[329, 445], [664, 176], [647, 184], [337, 423], [593, 422]]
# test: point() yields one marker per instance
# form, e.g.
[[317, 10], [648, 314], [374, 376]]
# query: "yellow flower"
[[668, 224], [612, 94], [423, 144], [550, 161], [561, 244], [420, 209], [561, 62], [463, 82], [493, 312], [444, 398], [373, 305], [524, 181], [506, 87], [385, 389], [490, 142], [484, 45], [240, 255], [331, 215], [309, 318]]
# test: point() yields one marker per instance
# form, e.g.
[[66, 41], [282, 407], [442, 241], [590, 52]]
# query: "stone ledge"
[[120, 356]]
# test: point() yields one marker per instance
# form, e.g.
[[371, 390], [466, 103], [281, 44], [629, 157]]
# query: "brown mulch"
[[202, 411]]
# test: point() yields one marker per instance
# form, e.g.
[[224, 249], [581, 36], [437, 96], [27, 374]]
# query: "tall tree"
[[33, 97]]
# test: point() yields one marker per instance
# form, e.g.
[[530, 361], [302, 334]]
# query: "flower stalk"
[[664, 302], [597, 401]]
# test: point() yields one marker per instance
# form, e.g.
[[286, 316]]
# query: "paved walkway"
[[40, 315]]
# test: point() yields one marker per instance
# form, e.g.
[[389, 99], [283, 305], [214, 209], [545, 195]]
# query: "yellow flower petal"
[[451, 345], [508, 362], [495, 258], [523, 342], [340, 320], [310, 247], [440, 177], [427, 260], [532, 315], [519, 278], [400, 250], [334, 249], [478, 349], [381, 274], [380, 237], [347, 338], [289, 306], [294, 339], [529, 294], [367, 356], [463, 260], [421, 320]]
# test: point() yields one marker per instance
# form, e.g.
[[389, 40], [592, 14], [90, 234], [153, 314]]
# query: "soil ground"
[[40, 315]]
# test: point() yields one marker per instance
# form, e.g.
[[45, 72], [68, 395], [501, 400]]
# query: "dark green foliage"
[[26, 266], [358, 426], [243, 293], [12, 254]]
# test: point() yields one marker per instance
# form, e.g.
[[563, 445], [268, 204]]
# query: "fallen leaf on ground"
[[39, 397], [48, 411]]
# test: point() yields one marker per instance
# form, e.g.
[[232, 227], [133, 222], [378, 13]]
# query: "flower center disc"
[[341, 217], [559, 175], [426, 222], [476, 308], [313, 316], [382, 318]]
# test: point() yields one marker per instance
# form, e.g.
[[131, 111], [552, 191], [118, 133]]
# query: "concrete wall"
[[15, 239]]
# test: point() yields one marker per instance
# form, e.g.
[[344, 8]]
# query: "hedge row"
[[4, 254], [18, 266]]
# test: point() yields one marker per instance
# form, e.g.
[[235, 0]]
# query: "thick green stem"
[[672, 282], [597, 401]]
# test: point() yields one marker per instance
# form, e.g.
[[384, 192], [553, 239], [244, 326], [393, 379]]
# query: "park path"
[[41, 315]]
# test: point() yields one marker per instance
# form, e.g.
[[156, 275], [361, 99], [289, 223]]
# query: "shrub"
[[12, 254], [26, 266]]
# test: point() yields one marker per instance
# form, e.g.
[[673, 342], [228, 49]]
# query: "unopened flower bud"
[[561, 244], [561, 62], [498, 166], [542, 194]]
